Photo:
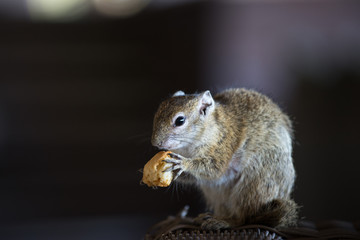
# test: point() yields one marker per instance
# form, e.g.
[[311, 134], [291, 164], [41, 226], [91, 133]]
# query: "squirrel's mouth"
[[163, 149], [169, 145]]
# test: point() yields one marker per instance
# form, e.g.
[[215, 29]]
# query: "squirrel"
[[236, 147]]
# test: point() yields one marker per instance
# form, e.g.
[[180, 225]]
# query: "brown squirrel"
[[235, 147]]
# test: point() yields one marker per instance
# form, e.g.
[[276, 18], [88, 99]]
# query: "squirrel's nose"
[[156, 143], [159, 145]]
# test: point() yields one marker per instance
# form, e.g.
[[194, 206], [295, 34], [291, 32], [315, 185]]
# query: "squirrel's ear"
[[179, 93], [206, 104]]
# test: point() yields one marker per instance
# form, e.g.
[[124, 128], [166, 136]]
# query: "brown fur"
[[238, 154]]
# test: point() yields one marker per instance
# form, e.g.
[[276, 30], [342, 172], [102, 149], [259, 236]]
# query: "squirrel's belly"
[[233, 171], [219, 198], [219, 193]]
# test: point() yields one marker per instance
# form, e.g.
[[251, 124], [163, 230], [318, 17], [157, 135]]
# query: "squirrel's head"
[[180, 120]]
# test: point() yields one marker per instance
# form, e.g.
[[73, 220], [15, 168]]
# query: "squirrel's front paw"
[[178, 162]]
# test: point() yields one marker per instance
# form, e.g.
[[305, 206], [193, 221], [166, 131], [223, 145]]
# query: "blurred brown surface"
[[76, 106]]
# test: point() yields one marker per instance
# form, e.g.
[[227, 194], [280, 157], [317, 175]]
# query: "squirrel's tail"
[[277, 213]]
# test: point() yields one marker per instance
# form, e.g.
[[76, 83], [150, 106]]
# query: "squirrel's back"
[[262, 159]]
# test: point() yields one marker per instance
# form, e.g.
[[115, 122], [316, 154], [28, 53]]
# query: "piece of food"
[[153, 173]]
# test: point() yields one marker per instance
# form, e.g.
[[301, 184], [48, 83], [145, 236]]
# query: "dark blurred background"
[[80, 81]]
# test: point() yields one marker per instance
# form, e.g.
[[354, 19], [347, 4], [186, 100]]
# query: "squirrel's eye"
[[179, 121]]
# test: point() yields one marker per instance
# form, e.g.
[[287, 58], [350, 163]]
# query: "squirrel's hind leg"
[[208, 222]]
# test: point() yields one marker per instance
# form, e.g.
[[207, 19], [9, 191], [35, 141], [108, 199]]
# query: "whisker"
[[177, 191], [140, 135], [179, 137], [189, 140]]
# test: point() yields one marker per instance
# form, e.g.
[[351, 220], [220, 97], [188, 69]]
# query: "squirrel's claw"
[[174, 161], [176, 156], [178, 162], [178, 174], [172, 168]]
